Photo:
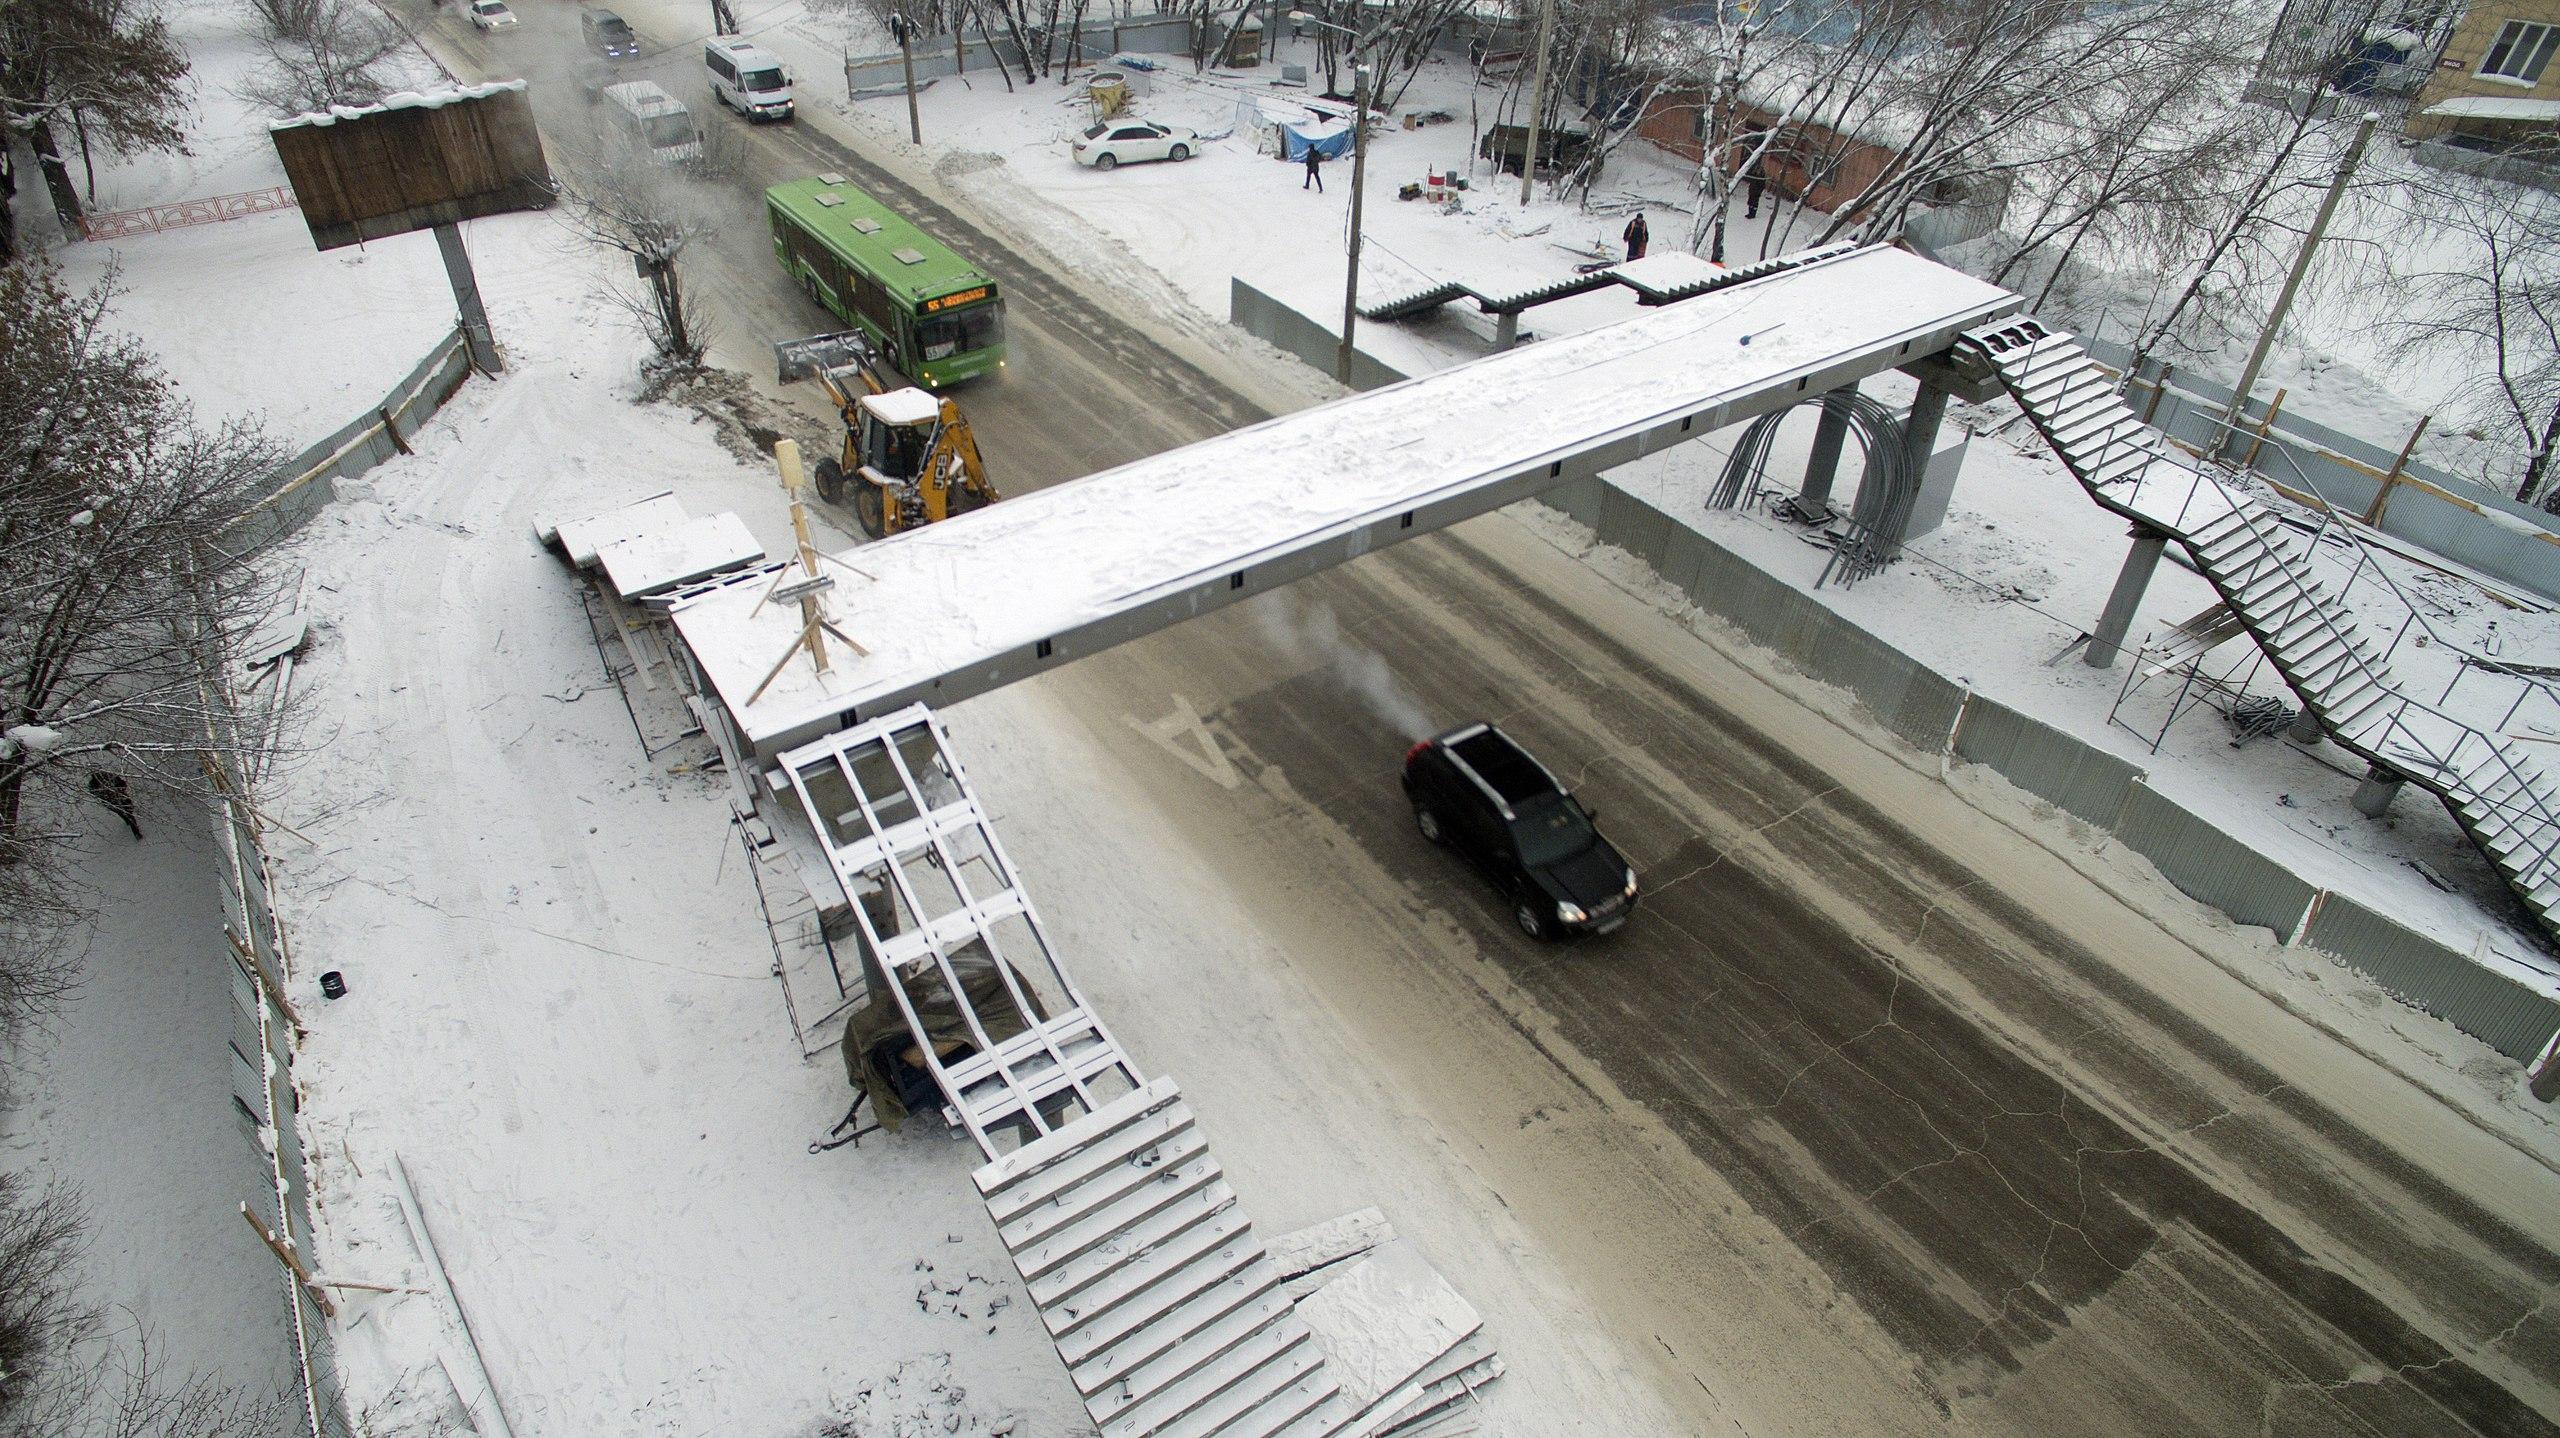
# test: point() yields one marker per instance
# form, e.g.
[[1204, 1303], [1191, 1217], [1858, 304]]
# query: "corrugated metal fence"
[[263, 1022], [308, 481], [956, 54]]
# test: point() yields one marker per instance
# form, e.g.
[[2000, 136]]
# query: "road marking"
[[1203, 756]]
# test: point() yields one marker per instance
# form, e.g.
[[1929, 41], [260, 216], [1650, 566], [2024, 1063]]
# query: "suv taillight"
[[1416, 750]]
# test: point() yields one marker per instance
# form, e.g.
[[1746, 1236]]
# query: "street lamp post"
[[904, 29], [1359, 170]]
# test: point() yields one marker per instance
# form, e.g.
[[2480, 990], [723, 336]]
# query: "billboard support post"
[[466, 300]]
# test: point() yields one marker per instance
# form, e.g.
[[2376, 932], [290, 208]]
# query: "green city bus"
[[934, 315]]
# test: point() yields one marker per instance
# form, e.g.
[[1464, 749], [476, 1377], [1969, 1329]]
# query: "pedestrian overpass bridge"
[[944, 613], [918, 941]]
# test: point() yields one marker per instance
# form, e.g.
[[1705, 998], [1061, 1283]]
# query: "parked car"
[[1480, 794], [608, 34], [1126, 142], [748, 78], [491, 15]]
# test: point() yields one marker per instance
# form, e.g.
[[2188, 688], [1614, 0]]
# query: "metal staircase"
[[2362, 692]]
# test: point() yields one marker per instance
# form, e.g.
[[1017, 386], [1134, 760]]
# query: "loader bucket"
[[804, 358]]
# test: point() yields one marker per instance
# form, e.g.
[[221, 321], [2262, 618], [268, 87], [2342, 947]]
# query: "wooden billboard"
[[413, 162]]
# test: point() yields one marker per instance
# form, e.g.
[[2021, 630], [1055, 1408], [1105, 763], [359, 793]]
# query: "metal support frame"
[[913, 805]]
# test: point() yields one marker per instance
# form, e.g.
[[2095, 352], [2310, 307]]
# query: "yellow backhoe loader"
[[908, 458]]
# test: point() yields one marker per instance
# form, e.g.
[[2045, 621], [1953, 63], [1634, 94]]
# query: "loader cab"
[[897, 432]]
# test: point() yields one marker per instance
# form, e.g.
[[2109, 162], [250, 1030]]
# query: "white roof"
[[665, 556], [2496, 107], [581, 538], [903, 406], [969, 591]]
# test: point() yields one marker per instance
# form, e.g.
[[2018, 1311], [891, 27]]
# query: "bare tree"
[[639, 203], [338, 52], [286, 19], [62, 1375], [126, 583], [108, 65], [2494, 311]]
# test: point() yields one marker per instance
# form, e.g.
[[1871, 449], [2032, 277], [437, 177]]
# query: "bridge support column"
[[2375, 794], [2305, 728], [1506, 330], [1920, 427], [2107, 640], [1813, 502]]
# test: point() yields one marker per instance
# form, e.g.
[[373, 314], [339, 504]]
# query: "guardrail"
[[151, 219]]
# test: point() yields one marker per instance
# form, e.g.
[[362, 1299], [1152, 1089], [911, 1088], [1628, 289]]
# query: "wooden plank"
[[1290, 1382]]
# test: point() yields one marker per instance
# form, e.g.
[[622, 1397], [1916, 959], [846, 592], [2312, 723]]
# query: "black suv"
[[607, 34], [1482, 795]]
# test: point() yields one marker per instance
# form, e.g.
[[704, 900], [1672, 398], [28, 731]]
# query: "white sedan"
[[1125, 142], [491, 14]]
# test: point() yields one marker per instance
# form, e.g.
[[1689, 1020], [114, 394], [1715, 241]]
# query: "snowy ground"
[[573, 1042], [128, 1098]]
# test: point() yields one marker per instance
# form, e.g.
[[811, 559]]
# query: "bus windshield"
[[760, 81], [975, 328]]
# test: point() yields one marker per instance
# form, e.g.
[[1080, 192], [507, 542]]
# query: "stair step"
[[1102, 1187], [1160, 1246], [1179, 1187], [2090, 421], [1213, 1401], [1154, 1131], [1263, 1364], [1150, 1280], [2130, 466], [1003, 1173], [1197, 1295], [1114, 1394]]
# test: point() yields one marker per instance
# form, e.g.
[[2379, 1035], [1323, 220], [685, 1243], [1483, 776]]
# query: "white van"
[[748, 78], [655, 120]]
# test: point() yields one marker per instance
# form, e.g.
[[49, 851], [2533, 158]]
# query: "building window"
[[2521, 50]]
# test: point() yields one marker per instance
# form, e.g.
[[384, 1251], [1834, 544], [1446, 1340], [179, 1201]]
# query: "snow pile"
[[400, 100]]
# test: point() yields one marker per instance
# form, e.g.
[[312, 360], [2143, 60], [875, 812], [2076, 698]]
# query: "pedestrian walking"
[[1637, 237], [109, 788], [1315, 169], [1752, 184]]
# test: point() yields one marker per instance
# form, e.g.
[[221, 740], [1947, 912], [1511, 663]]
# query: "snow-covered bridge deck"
[[975, 603]]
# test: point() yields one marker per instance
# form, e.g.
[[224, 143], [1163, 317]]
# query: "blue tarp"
[[1329, 138]]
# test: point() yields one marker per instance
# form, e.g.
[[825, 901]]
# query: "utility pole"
[[2293, 281], [1359, 169], [904, 29], [1537, 97]]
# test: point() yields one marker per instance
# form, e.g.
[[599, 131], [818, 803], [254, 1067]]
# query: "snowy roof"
[[579, 539], [976, 595], [680, 553], [404, 100], [2496, 107], [904, 406]]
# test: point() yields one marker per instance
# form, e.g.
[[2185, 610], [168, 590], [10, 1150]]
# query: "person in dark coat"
[[1752, 184], [109, 788], [1315, 169], [1638, 235]]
